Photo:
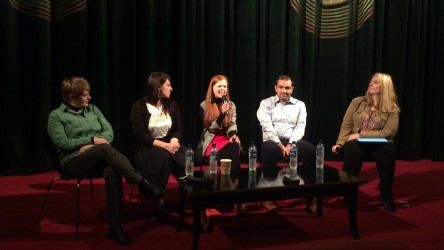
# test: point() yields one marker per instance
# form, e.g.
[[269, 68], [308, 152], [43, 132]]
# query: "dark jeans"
[[271, 154], [382, 154]]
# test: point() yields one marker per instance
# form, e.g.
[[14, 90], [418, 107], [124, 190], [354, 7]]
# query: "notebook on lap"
[[372, 140]]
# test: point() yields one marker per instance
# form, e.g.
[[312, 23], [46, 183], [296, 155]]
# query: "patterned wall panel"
[[49, 9], [333, 18]]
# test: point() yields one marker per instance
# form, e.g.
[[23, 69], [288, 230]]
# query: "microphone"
[[339, 149], [224, 98]]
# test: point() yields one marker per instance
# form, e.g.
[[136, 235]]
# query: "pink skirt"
[[220, 139]]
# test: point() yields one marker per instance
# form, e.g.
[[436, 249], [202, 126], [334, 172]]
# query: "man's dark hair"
[[284, 77]]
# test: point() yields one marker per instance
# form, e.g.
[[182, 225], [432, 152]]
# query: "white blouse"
[[159, 123]]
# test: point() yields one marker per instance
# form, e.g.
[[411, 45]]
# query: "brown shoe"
[[271, 206], [311, 205], [205, 225], [241, 210]]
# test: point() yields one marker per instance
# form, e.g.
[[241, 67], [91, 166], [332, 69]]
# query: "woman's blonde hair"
[[388, 102], [211, 109]]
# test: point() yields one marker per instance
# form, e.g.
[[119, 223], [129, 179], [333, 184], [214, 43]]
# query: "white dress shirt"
[[282, 120]]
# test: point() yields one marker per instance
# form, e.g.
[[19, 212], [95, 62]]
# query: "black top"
[[140, 118]]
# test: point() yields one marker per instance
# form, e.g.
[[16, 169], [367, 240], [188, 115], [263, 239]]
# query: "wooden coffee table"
[[254, 186]]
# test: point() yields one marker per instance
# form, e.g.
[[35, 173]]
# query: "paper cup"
[[225, 166], [225, 183]]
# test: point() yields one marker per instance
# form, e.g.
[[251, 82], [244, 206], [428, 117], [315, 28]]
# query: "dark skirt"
[[156, 164]]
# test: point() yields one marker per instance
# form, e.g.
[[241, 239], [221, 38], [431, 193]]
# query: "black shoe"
[[205, 225], [241, 209], [389, 206], [346, 202], [166, 218], [162, 215], [116, 232], [149, 190]]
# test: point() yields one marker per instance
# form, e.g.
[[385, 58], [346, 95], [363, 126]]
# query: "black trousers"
[[271, 154], [104, 160], [383, 154]]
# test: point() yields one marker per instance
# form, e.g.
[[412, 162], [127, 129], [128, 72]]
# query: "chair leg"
[[131, 196], [92, 194], [47, 194], [78, 208], [127, 202], [78, 200]]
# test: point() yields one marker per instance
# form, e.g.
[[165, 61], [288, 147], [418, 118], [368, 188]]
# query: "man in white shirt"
[[283, 120]]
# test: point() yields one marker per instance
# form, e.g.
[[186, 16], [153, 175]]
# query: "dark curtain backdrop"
[[117, 43]]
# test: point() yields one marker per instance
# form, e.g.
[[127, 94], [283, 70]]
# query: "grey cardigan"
[[208, 134]]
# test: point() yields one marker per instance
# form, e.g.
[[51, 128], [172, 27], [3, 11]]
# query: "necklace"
[[77, 112]]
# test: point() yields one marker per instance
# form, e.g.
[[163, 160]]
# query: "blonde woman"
[[375, 115]]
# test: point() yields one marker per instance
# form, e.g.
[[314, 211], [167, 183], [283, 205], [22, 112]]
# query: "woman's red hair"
[[211, 109]]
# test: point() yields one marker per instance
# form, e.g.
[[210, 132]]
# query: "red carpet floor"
[[416, 227]]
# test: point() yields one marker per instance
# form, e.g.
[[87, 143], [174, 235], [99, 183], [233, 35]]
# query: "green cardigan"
[[69, 131]]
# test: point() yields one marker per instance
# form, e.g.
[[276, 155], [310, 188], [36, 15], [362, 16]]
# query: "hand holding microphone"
[[337, 149], [224, 98]]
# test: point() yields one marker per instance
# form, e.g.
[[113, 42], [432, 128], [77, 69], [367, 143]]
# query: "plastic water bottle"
[[319, 175], [189, 161], [293, 156], [252, 156], [213, 176], [252, 178], [213, 159], [320, 155]]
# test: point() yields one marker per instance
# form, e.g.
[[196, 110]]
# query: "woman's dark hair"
[[153, 85]]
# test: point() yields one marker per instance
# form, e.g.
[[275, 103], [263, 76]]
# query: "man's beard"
[[284, 97]]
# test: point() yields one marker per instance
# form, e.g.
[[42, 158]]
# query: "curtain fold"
[[330, 50]]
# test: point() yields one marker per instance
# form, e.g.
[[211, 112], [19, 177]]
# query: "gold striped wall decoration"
[[49, 9], [333, 18]]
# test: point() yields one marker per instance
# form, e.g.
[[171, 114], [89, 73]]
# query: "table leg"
[[353, 199], [181, 209], [197, 213], [319, 208]]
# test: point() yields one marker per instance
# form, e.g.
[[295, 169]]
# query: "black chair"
[[53, 157]]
